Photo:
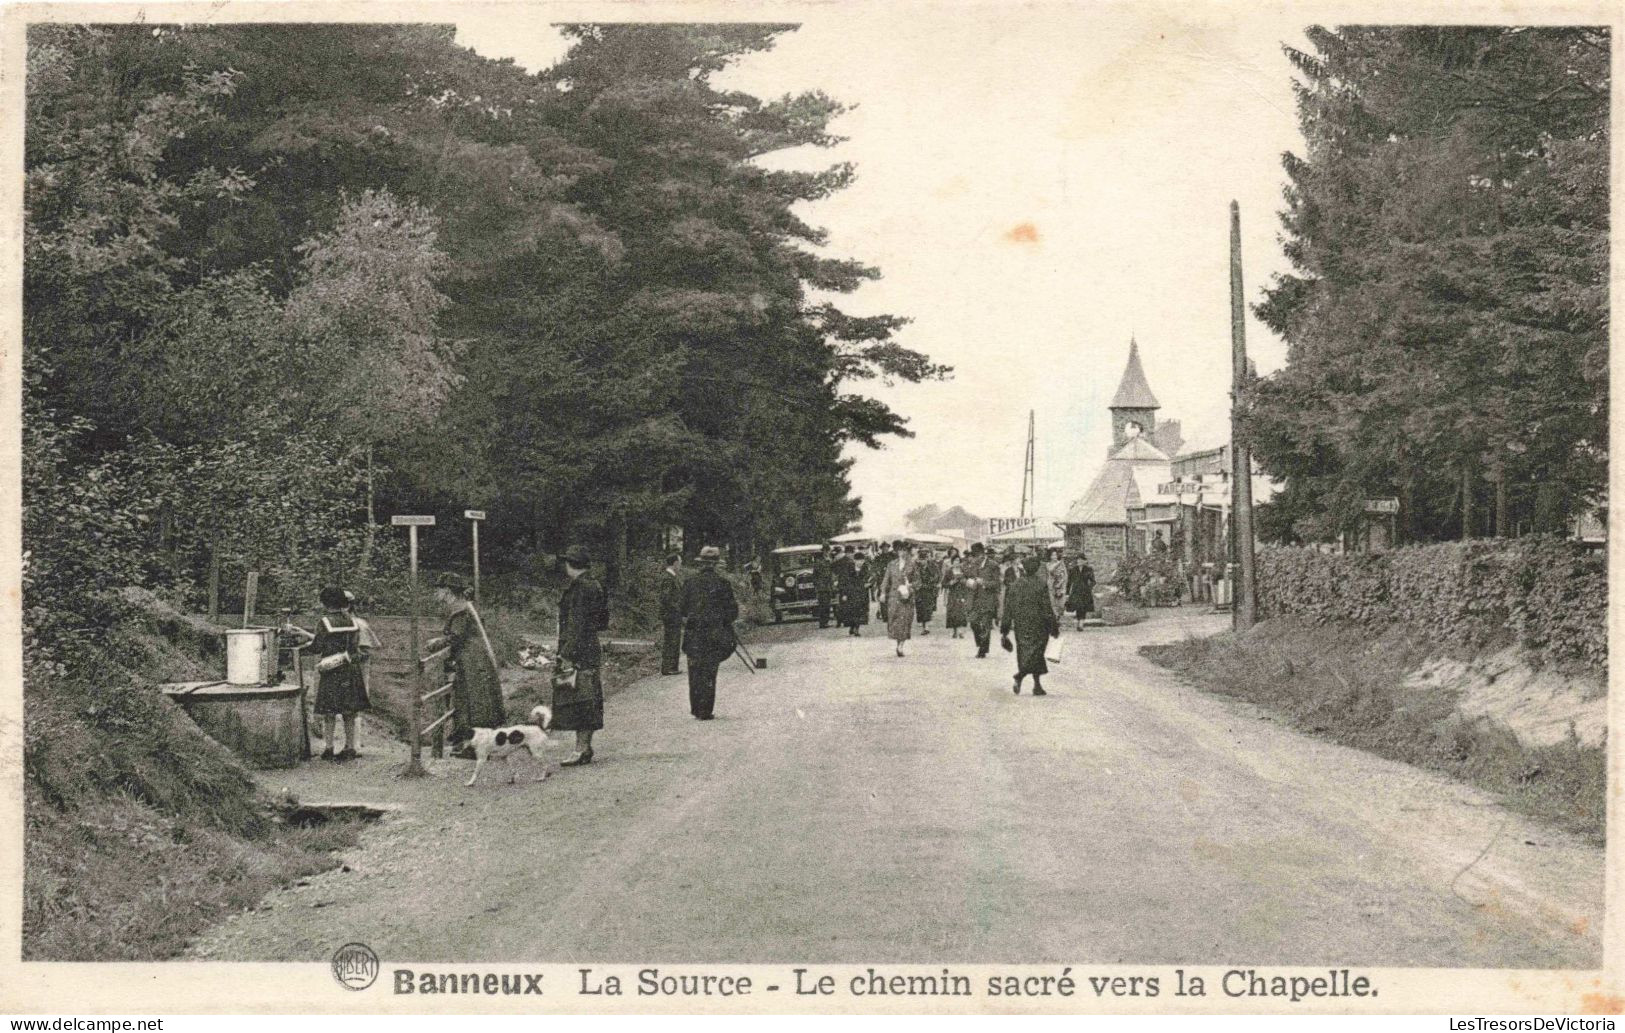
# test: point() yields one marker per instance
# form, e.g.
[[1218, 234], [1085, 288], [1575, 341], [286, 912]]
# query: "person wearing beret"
[[578, 703], [709, 612], [476, 692]]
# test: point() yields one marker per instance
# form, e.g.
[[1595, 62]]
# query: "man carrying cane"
[[708, 610]]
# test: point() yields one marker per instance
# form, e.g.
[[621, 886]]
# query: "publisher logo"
[[355, 966]]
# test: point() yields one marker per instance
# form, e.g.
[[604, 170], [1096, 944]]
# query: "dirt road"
[[850, 806]]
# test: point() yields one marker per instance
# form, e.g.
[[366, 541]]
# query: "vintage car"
[[790, 573]]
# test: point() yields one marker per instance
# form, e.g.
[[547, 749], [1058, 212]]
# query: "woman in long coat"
[[476, 692], [1028, 612], [897, 587], [953, 582], [578, 706], [852, 592], [1080, 591], [928, 581]]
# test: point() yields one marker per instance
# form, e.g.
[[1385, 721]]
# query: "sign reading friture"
[[999, 525], [474, 514], [412, 521], [1382, 505]]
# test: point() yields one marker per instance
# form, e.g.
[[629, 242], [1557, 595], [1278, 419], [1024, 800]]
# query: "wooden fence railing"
[[422, 697]]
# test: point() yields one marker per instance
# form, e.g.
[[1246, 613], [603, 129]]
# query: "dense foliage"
[[282, 281], [1447, 320], [1549, 596]]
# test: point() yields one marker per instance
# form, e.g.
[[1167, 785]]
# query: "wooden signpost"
[[414, 767], [474, 516]]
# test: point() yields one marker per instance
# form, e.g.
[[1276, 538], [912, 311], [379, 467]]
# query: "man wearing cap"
[[709, 610], [984, 579], [578, 703]]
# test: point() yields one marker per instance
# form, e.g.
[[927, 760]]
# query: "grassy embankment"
[[141, 830], [1348, 684]]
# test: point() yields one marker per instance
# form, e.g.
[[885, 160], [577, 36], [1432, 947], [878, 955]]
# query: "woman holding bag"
[[897, 593]]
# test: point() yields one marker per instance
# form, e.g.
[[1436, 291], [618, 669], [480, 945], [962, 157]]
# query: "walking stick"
[[741, 652]]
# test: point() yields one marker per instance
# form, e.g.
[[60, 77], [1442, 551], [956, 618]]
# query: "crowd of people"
[[1025, 597]]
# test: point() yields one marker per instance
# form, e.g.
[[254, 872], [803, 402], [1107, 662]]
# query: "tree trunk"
[[1503, 523], [1467, 515], [214, 578], [372, 520]]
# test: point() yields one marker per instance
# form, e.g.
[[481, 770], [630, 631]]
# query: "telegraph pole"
[[1244, 610], [1027, 485]]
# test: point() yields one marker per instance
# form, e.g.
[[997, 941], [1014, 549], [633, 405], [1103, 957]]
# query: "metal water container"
[[251, 656]]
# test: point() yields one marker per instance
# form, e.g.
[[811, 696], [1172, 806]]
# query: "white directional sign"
[[474, 514], [1382, 505], [412, 521], [1185, 488]]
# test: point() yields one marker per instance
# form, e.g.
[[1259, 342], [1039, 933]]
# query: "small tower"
[[1134, 407]]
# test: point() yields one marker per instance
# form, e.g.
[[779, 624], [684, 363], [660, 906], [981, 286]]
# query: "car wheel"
[[778, 618]]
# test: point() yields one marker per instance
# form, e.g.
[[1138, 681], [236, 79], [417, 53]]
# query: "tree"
[[367, 306], [1446, 322]]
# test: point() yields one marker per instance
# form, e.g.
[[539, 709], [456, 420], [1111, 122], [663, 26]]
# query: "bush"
[[1545, 594]]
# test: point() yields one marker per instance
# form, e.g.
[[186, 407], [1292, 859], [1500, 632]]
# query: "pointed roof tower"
[[1133, 392]]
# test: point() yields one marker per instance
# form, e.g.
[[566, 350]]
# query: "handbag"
[[1054, 649], [563, 678]]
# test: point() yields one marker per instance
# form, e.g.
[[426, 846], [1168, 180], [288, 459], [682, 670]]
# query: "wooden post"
[[474, 516], [250, 590], [414, 766], [1245, 611]]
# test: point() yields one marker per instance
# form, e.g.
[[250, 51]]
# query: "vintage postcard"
[[899, 507]]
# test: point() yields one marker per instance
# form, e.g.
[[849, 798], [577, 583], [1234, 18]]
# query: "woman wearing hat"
[[578, 702], [897, 587], [476, 693]]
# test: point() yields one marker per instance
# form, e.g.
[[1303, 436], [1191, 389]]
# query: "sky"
[[1037, 183]]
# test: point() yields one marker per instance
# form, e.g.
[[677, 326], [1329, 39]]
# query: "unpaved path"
[[850, 806]]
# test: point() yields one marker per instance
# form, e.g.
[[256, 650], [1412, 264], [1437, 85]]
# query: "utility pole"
[[1027, 485], [1244, 611]]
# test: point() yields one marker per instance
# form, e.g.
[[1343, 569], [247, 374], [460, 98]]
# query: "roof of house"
[[1133, 392], [1106, 500], [1138, 450]]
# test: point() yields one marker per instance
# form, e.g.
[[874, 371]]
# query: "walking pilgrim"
[[984, 581], [578, 690], [953, 584], [1028, 613], [852, 591], [1055, 571], [671, 614], [897, 586], [928, 572], [709, 611]]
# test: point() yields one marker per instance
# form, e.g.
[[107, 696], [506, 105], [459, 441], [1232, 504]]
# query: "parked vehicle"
[[793, 593]]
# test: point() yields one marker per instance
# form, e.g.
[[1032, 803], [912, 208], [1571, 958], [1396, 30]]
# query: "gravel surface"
[[849, 806]]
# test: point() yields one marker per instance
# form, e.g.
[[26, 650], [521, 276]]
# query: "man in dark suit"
[[709, 610], [671, 614]]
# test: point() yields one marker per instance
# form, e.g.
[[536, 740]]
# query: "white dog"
[[504, 742]]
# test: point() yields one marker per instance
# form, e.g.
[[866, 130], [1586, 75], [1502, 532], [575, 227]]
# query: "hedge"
[[1545, 594]]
